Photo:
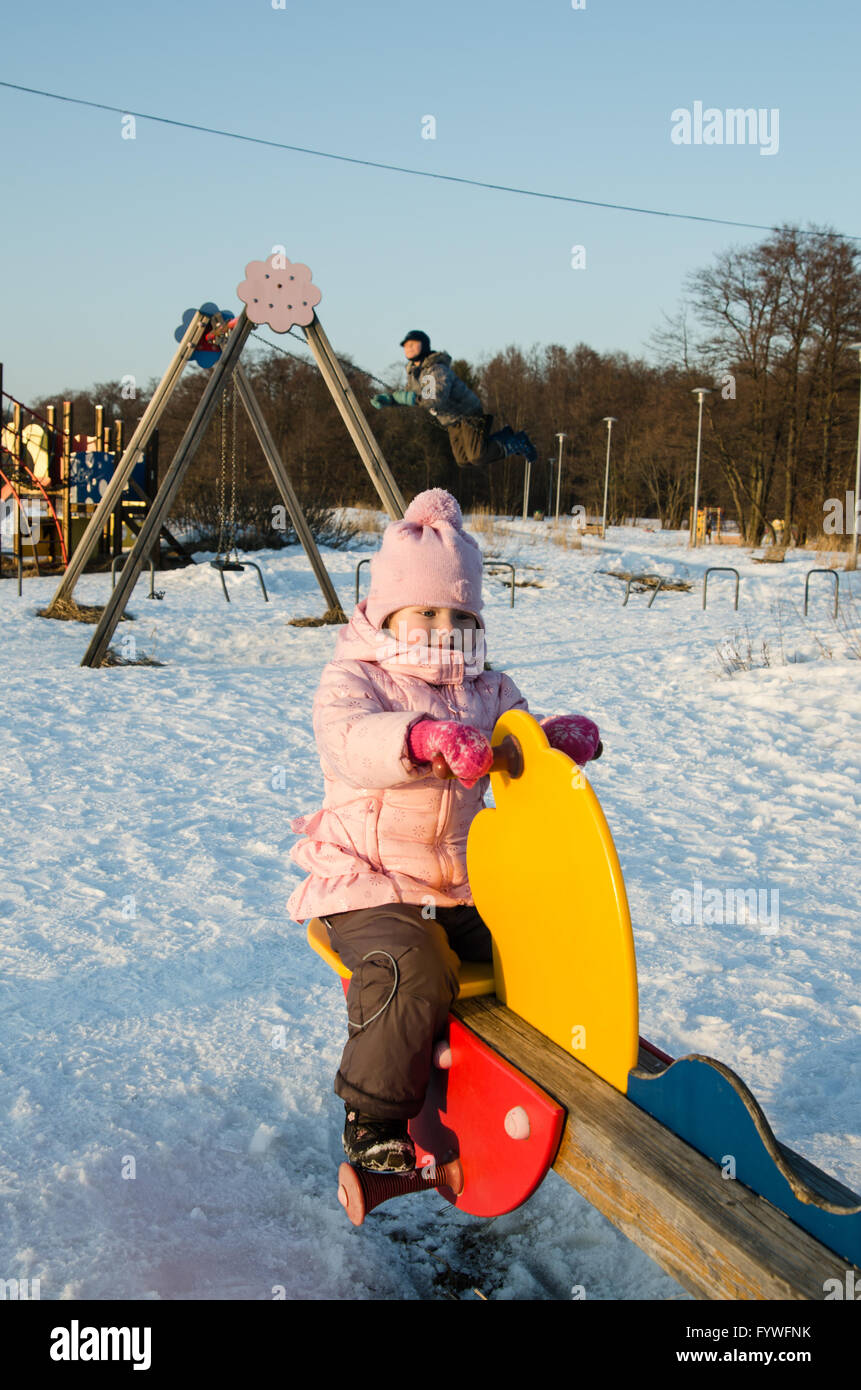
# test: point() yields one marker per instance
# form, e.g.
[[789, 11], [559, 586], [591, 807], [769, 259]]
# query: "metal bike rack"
[[365, 561], [835, 576], [638, 579], [236, 567], [719, 569], [503, 565], [497, 564], [153, 593], [18, 552]]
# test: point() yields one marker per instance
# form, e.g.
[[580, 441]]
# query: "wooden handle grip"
[[507, 757]]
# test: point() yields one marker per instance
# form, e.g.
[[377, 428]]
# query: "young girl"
[[386, 856]]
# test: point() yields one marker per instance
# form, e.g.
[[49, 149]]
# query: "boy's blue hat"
[[418, 336]]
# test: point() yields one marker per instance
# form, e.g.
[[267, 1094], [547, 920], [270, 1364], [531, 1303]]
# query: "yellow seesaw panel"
[[545, 877]]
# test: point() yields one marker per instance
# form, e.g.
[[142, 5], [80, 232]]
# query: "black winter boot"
[[383, 1146], [521, 444]]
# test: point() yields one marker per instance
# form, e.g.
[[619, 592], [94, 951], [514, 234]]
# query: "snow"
[[167, 1039]]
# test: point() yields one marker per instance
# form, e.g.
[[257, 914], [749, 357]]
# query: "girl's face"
[[445, 622]]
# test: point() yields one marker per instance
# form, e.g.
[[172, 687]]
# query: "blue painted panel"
[[709, 1107], [90, 473], [202, 356]]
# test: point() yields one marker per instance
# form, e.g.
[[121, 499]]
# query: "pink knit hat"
[[426, 560]]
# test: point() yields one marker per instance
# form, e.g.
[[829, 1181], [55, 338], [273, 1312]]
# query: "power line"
[[402, 169]]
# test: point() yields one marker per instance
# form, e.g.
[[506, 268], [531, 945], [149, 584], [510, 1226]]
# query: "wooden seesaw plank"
[[705, 1103], [716, 1237]]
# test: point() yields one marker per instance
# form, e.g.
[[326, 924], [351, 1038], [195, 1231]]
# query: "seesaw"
[[543, 1067]]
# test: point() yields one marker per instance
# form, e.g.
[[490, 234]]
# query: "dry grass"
[[739, 652], [569, 537], [368, 518], [68, 611], [332, 615], [114, 658], [830, 551], [833, 541], [482, 522], [641, 583]]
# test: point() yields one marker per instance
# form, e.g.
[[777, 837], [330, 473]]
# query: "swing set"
[[277, 293]]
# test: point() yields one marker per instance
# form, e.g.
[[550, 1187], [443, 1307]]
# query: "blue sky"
[[106, 241]]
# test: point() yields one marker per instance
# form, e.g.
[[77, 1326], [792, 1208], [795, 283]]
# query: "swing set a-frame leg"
[[360, 431], [158, 513], [123, 471], [334, 612]]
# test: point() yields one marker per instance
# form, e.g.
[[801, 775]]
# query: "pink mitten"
[[465, 749], [575, 735]]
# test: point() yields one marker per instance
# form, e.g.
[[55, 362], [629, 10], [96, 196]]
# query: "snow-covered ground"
[[159, 1011]]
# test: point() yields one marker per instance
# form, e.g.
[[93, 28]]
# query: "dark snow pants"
[[405, 977], [469, 441]]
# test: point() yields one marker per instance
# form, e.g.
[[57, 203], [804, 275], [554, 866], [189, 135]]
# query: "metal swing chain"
[[232, 530], [222, 475]]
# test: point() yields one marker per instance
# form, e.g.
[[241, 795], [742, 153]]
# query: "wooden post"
[[285, 488], [123, 470], [51, 417], [716, 1237], [1, 431], [66, 476], [151, 467], [100, 429], [158, 513], [360, 431], [16, 450]]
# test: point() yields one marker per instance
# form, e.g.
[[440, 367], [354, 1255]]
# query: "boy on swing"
[[434, 386]]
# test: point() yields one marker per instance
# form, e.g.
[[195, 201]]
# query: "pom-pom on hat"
[[426, 561]]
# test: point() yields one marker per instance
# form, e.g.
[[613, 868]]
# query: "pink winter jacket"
[[389, 831]]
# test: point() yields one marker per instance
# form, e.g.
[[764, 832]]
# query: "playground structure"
[[709, 526], [280, 294], [51, 479], [544, 1067]]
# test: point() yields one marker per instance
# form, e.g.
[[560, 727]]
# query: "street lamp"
[[610, 421], [526, 474], [551, 464], [701, 392], [852, 562], [560, 437]]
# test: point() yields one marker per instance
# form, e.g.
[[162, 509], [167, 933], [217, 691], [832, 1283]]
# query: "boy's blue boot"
[[519, 444]]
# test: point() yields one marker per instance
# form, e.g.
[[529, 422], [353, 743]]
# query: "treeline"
[[767, 329]]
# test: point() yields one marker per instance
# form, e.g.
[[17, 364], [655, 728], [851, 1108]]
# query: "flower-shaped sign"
[[204, 357], [279, 293]]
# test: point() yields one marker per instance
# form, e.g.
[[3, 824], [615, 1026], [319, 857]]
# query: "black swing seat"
[[236, 567]]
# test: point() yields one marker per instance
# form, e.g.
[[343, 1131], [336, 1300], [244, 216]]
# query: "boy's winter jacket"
[[389, 831], [441, 392]]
